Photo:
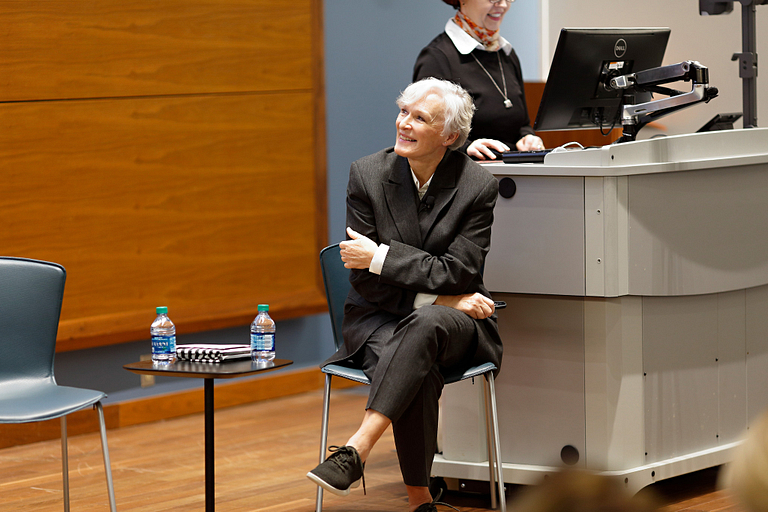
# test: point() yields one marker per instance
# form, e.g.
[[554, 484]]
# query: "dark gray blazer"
[[440, 250]]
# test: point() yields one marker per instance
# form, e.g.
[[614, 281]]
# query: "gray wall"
[[370, 48]]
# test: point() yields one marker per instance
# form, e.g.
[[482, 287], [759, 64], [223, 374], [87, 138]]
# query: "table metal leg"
[[210, 480]]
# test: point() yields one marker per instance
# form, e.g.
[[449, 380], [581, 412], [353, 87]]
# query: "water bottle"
[[163, 334], [263, 336]]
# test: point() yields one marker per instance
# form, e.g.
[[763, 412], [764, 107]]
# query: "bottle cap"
[[263, 307], [161, 310]]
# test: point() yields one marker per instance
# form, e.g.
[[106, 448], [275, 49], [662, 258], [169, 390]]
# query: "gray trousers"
[[404, 360]]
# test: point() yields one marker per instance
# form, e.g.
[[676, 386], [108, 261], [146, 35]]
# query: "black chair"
[[31, 294], [336, 280]]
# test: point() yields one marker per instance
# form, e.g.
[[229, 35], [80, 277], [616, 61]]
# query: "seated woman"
[[419, 221], [472, 54]]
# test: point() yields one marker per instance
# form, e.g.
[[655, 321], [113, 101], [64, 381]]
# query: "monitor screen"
[[575, 95]]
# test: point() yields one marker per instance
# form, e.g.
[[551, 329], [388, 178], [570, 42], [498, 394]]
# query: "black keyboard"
[[525, 157]]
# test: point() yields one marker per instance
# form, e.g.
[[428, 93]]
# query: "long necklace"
[[507, 102]]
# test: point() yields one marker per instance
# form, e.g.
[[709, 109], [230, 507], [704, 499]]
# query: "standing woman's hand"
[[530, 143], [480, 149]]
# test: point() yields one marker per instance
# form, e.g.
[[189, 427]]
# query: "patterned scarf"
[[488, 38]]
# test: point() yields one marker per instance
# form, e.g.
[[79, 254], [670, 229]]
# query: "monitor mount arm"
[[635, 116]]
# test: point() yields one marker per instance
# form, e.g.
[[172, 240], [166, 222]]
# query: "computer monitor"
[[576, 95]]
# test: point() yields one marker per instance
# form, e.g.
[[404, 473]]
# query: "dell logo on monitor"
[[620, 48]]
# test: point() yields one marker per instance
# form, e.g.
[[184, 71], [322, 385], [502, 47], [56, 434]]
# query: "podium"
[[636, 328]]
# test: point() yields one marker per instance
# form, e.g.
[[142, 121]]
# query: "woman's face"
[[419, 129], [484, 13]]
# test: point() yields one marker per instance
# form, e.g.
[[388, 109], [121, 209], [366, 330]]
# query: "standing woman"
[[472, 54]]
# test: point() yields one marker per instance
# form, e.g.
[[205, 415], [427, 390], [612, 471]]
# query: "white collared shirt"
[[465, 43]]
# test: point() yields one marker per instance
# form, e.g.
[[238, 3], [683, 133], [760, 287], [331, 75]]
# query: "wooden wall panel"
[[166, 153], [162, 200], [106, 48]]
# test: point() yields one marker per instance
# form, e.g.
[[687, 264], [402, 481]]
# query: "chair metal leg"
[[105, 452], [65, 462], [324, 435], [497, 446], [489, 442]]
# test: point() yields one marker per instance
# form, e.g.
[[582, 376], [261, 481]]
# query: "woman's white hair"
[[458, 107]]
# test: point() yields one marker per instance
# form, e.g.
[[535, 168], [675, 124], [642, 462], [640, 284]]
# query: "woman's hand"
[[530, 143], [476, 305], [480, 148], [358, 252]]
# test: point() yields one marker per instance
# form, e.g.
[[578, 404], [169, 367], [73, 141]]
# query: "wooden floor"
[[263, 451]]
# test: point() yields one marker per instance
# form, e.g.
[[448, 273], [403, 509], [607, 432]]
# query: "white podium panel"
[[543, 375], [538, 238], [697, 232], [636, 331]]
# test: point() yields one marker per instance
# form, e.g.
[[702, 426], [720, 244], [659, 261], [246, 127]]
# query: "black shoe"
[[340, 472], [432, 507]]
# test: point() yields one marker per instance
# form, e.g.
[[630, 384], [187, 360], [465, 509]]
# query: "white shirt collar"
[[465, 43], [422, 190]]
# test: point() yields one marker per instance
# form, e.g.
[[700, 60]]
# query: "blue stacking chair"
[[336, 281], [31, 294]]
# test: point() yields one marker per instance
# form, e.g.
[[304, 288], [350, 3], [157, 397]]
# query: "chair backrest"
[[31, 294], [336, 281]]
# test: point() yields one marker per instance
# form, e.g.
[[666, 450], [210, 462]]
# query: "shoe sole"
[[328, 487]]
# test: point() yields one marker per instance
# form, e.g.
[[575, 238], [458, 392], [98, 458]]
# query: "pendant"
[[507, 103]]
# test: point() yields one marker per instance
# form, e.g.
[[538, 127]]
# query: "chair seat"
[[354, 374], [357, 375], [473, 372], [23, 402]]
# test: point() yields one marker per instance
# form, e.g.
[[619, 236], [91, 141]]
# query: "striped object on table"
[[212, 353]]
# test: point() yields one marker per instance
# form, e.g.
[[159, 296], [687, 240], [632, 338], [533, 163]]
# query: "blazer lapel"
[[400, 196]]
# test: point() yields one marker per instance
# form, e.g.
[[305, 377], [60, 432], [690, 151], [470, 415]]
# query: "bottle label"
[[163, 344], [263, 341]]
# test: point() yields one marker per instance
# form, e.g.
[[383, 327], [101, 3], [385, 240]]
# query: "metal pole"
[[496, 442], [748, 62], [65, 462], [324, 435], [210, 479], [105, 454], [489, 437]]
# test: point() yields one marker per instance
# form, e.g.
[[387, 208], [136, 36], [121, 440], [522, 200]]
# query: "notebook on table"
[[212, 353]]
